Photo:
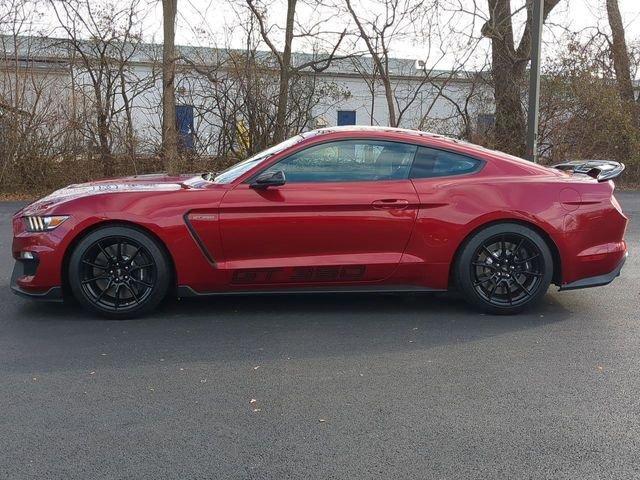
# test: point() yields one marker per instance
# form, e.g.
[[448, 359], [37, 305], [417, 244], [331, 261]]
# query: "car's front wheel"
[[118, 272], [504, 268]]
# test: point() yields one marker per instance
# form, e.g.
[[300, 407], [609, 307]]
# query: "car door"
[[344, 215]]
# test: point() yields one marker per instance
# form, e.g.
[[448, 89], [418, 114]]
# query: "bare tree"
[[412, 91], [508, 68], [31, 133], [465, 94], [381, 25], [169, 130], [284, 58], [582, 113], [621, 61], [381, 30], [102, 42], [284, 61], [237, 92]]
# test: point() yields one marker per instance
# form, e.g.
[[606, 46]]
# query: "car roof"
[[371, 129], [390, 130], [437, 140]]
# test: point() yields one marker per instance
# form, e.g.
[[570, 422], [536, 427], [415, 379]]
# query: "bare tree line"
[[78, 117]]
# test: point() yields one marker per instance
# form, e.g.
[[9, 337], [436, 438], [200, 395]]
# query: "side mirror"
[[269, 179]]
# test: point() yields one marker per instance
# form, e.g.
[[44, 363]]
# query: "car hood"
[[153, 183]]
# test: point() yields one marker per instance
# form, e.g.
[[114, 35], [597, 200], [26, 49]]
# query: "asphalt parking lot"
[[344, 387]]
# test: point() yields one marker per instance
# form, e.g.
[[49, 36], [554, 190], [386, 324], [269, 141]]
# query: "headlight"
[[44, 224]]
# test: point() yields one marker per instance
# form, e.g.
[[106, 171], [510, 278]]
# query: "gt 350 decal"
[[338, 273]]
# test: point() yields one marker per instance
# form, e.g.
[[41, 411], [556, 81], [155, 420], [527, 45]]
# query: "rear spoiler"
[[601, 170]]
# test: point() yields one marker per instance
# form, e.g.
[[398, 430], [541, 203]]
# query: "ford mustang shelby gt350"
[[332, 210]]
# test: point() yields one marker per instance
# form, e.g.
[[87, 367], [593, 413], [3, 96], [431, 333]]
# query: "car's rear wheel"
[[504, 268], [119, 272]]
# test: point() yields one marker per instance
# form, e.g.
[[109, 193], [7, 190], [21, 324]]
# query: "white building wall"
[[429, 110]]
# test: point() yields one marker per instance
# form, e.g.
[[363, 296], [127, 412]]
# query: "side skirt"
[[185, 291]]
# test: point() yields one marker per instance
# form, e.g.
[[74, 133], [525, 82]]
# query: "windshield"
[[237, 170]]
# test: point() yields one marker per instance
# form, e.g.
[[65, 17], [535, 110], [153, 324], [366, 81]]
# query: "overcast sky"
[[219, 15], [211, 23]]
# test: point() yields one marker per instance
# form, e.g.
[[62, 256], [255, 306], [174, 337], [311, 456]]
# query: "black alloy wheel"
[[118, 272], [505, 268]]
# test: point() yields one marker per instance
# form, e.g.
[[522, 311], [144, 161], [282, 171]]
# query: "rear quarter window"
[[431, 162]]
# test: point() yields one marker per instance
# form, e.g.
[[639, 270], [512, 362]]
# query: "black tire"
[[119, 272], [504, 268]]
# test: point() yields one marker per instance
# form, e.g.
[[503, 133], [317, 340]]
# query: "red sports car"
[[332, 210]]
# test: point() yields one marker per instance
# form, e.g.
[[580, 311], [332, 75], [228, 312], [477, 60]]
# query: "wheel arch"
[[548, 239], [64, 274]]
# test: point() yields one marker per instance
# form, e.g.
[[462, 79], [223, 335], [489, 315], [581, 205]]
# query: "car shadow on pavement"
[[236, 328]]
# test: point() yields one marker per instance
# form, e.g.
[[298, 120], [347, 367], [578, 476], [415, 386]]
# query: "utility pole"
[[534, 81]]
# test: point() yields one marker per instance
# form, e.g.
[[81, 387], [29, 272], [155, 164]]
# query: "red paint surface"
[[405, 232]]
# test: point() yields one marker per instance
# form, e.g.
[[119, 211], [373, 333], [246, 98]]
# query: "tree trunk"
[[169, 132], [508, 69], [621, 62], [105, 152], [373, 101], [510, 126], [285, 73], [129, 132], [106, 157], [388, 93]]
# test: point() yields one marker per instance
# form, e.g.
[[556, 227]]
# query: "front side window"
[[348, 161], [430, 162]]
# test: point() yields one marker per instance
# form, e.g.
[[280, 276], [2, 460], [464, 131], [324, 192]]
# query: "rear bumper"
[[21, 270], [598, 280]]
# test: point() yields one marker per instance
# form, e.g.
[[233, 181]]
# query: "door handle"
[[390, 204]]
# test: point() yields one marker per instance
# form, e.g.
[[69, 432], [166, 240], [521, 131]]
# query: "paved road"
[[345, 387]]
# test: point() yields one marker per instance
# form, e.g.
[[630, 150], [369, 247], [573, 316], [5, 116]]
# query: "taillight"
[[616, 204]]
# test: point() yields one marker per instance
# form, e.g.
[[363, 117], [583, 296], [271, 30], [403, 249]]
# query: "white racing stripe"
[[86, 190]]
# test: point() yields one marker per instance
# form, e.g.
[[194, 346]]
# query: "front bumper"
[[37, 272], [598, 280], [23, 269]]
